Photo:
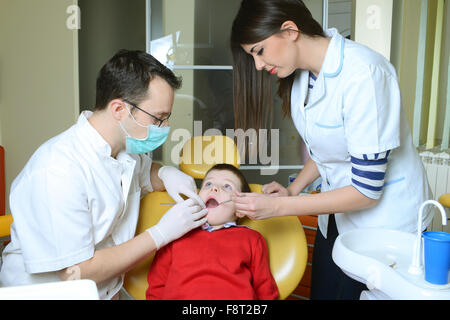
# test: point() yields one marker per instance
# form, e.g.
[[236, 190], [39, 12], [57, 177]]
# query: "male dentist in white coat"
[[75, 204]]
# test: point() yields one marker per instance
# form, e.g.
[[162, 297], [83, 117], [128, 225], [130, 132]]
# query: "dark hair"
[[256, 21], [127, 76], [228, 167]]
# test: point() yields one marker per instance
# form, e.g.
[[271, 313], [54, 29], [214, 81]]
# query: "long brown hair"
[[257, 20]]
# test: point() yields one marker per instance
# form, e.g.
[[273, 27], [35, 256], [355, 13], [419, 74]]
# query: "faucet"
[[416, 266]]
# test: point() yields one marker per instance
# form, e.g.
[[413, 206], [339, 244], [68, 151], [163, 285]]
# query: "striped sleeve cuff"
[[368, 173]]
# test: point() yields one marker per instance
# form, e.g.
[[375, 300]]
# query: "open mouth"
[[273, 70], [211, 203]]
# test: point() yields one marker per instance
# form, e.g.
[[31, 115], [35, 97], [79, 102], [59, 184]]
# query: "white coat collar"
[[98, 143], [331, 67], [334, 58], [124, 161]]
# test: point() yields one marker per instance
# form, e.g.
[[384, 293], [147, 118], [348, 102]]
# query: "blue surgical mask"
[[156, 136]]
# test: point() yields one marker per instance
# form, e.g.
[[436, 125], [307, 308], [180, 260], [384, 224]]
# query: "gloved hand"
[[177, 182], [180, 219]]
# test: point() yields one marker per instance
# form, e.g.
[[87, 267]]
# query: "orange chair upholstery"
[[2, 182], [5, 220]]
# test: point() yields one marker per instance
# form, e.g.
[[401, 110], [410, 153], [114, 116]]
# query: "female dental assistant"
[[344, 100], [76, 203]]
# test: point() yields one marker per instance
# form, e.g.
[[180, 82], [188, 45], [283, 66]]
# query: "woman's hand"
[[275, 189], [256, 206]]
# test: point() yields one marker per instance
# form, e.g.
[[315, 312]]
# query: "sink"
[[380, 258]]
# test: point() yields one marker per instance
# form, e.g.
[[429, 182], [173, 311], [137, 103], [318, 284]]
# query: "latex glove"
[[180, 219], [177, 182]]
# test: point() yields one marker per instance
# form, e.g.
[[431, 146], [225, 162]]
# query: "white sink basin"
[[380, 258]]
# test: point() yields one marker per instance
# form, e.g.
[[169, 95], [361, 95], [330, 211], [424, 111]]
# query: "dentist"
[[76, 202], [345, 102]]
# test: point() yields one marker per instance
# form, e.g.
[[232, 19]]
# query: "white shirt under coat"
[[355, 108], [71, 199]]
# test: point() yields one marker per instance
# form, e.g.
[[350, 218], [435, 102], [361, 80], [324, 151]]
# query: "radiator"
[[437, 166]]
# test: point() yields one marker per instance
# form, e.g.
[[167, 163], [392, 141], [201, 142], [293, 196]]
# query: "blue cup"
[[437, 257]]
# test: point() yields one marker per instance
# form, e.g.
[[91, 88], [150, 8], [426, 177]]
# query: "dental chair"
[[445, 200], [284, 236]]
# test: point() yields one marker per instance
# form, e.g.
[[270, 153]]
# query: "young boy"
[[220, 260]]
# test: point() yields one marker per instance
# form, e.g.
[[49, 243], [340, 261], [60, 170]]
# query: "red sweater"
[[227, 264]]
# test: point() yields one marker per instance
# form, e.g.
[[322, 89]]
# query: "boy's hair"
[[127, 76], [228, 167]]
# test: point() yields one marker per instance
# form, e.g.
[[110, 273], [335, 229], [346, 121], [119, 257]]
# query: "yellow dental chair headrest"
[[201, 153]]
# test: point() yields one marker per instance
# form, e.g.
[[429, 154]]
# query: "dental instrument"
[[171, 204]]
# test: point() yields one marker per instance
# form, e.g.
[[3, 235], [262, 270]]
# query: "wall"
[[38, 77], [406, 17], [405, 33], [443, 83], [373, 24], [316, 7], [178, 15], [106, 27], [396, 36], [340, 16]]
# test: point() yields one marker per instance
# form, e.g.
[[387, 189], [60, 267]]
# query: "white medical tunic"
[[355, 109], [71, 199]]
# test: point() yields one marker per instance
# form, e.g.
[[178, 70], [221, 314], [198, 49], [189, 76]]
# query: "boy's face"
[[218, 186]]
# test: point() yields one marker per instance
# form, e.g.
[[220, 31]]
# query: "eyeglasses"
[[161, 121]]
